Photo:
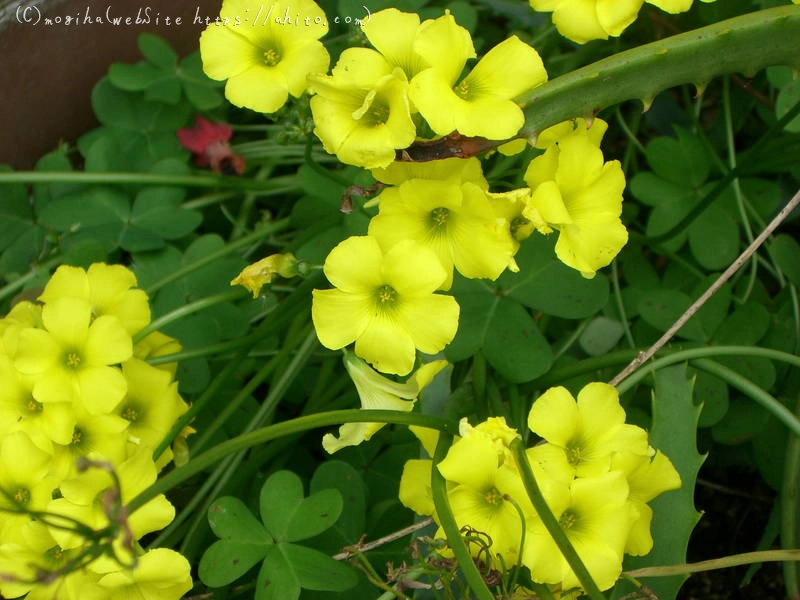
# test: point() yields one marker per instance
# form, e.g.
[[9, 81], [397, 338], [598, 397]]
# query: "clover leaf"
[[286, 517]]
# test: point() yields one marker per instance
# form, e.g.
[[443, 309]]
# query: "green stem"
[[11, 288], [120, 178], [747, 387], [258, 234], [271, 432], [314, 165], [730, 46], [678, 356], [448, 524], [788, 507], [551, 523], [733, 560], [188, 309]]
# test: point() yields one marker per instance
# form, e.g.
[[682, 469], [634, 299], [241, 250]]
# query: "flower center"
[[72, 360], [377, 114], [574, 454], [22, 496], [386, 296], [462, 90], [32, 406], [568, 519], [493, 497], [439, 217], [129, 413], [77, 437], [520, 227], [271, 57]]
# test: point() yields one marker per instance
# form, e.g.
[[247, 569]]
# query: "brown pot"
[[48, 70]]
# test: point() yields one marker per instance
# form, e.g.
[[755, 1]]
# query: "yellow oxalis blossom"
[[361, 111], [596, 518], [160, 574], [647, 478], [378, 392], [264, 58], [393, 34], [72, 357], [483, 103], [578, 194], [385, 303], [454, 170], [456, 221], [586, 20], [483, 482], [254, 277], [109, 290], [584, 435]]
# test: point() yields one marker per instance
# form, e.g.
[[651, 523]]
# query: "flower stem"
[[551, 523], [450, 527]]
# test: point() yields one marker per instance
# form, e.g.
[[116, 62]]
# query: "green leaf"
[[788, 96], [97, 206], [157, 51], [351, 524], [546, 284], [277, 579], [714, 238], [744, 326], [674, 432], [601, 335], [133, 78], [314, 515], [514, 346], [225, 562], [712, 393], [230, 519], [167, 91], [317, 571], [661, 308], [785, 251], [682, 161], [744, 421], [281, 495], [16, 216]]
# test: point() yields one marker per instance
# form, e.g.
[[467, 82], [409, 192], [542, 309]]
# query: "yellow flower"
[[594, 131], [585, 20], [361, 112], [584, 435], [456, 221], [647, 477], [160, 574], [109, 290], [385, 303], [378, 392], [478, 498], [72, 357], [393, 33], [596, 518], [454, 170], [483, 103], [578, 194], [254, 277], [265, 52]]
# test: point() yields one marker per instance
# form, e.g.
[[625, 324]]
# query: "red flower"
[[209, 143]]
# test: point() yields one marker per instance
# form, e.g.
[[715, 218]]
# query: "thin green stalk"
[[198, 180], [620, 304], [188, 309], [314, 165], [551, 523], [448, 524], [734, 560], [258, 234], [19, 283], [747, 387], [789, 499], [573, 337], [271, 432]]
